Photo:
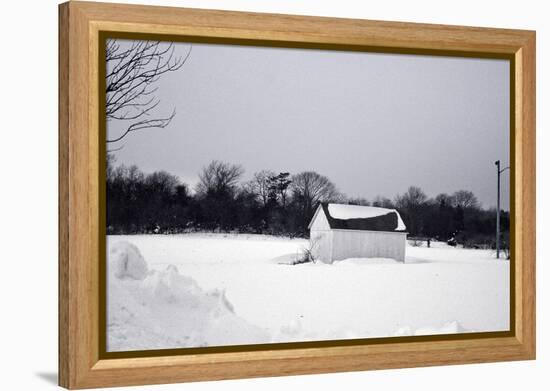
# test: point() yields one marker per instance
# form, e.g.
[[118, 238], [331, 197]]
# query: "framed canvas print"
[[256, 195]]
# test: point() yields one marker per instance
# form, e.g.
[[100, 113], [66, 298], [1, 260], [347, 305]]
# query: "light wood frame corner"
[[80, 24]]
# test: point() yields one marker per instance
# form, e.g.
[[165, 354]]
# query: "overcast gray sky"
[[373, 123]]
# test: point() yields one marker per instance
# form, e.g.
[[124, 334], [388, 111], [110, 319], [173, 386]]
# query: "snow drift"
[[150, 309], [125, 261], [174, 291]]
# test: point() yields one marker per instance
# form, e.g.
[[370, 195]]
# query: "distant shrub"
[[416, 242], [476, 240]]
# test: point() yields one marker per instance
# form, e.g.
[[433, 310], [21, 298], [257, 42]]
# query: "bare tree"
[[308, 188], [219, 177], [464, 199], [412, 199], [162, 182], [410, 204], [443, 200], [110, 166], [132, 71], [382, 202], [260, 186], [358, 201]]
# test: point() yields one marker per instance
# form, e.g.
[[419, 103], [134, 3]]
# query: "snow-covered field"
[[170, 291]]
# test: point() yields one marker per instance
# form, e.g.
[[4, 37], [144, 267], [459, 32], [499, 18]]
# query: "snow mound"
[[288, 259], [453, 327], [368, 261], [125, 261], [165, 309], [229, 287]]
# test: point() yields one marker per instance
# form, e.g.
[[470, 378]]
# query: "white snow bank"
[[346, 212], [164, 309], [453, 327], [306, 302], [295, 331], [367, 261], [125, 261]]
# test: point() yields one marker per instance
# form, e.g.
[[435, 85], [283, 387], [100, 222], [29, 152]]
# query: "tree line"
[[275, 203]]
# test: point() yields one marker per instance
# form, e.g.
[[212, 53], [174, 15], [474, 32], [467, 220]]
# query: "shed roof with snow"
[[360, 218], [339, 231]]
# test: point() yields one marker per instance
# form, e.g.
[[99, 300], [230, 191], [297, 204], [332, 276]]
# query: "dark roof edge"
[[388, 222]]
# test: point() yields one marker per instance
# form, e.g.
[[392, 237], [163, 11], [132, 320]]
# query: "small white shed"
[[339, 231]]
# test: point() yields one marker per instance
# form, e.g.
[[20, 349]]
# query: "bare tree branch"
[[145, 124], [115, 149], [132, 71]]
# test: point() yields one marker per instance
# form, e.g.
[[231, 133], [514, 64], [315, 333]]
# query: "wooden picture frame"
[[81, 362]]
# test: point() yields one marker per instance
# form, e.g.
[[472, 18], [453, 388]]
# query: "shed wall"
[[368, 244], [320, 221], [321, 242]]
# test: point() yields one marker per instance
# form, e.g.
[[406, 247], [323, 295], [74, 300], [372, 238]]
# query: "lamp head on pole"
[[497, 163]]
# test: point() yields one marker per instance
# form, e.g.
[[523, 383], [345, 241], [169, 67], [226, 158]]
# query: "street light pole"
[[499, 171]]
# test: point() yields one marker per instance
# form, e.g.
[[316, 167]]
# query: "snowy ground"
[[238, 289]]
